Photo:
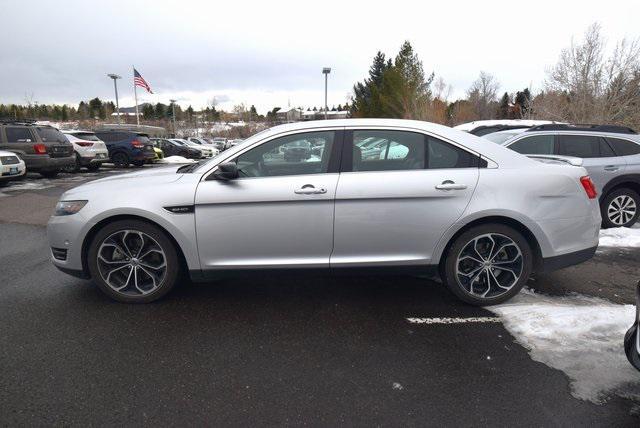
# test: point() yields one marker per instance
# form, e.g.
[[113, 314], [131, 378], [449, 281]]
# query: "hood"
[[139, 181]]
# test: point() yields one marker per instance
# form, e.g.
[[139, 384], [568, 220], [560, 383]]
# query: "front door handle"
[[310, 189], [450, 185], [611, 168]]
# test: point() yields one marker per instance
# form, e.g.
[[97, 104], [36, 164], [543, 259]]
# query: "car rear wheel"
[[120, 160], [487, 264], [620, 208], [133, 261]]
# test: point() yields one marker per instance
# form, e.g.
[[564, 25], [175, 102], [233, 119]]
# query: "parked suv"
[[127, 147], [611, 155], [172, 148], [89, 150], [43, 148]]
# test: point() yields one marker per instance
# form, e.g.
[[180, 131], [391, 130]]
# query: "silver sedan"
[[431, 199]]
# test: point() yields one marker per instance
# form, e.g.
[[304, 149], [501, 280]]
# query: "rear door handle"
[[611, 168], [450, 185], [310, 189]]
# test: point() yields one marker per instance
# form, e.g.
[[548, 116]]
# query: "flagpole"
[[135, 95]]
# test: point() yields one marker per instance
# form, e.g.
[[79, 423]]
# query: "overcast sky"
[[271, 53]]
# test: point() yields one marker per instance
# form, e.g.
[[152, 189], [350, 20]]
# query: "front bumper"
[[67, 233]]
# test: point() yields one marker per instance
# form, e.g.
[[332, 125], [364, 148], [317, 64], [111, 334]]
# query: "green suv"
[[43, 148]]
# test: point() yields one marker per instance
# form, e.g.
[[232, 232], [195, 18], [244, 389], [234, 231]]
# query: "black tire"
[[449, 266], [49, 174], [630, 346], [120, 160], [614, 220], [138, 163], [76, 167], [93, 167], [167, 282]]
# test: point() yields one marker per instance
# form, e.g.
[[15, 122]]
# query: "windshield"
[[500, 137], [87, 136], [51, 135]]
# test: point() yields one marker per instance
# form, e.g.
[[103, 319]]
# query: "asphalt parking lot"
[[317, 351]]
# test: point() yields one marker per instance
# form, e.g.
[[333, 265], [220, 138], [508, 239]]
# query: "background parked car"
[[90, 152], [297, 151], [43, 148], [611, 155], [207, 152], [202, 142], [173, 148], [220, 143], [11, 167], [127, 147]]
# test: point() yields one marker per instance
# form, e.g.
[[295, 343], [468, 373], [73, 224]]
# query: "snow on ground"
[[620, 237], [582, 336], [175, 159]]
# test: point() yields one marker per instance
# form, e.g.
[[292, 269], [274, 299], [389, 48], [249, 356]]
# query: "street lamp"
[[173, 115], [325, 71], [115, 77]]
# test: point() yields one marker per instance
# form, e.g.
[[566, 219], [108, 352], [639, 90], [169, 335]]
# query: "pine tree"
[[503, 107]]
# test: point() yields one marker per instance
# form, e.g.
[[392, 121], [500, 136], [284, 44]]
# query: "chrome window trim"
[[491, 164]]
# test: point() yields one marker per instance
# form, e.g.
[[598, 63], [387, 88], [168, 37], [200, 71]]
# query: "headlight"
[[69, 207]]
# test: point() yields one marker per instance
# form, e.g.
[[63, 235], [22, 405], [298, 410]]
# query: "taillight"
[[84, 143], [589, 187], [40, 149], [137, 144]]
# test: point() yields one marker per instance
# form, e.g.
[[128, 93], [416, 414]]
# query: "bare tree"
[[587, 86], [482, 95]]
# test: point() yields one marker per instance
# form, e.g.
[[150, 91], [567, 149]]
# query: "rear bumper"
[[47, 163], [550, 264]]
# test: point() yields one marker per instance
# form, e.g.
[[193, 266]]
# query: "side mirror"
[[226, 171], [632, 338]]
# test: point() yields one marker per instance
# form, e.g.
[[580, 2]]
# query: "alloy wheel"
[[131, 262], [621, 210], [489, 265]]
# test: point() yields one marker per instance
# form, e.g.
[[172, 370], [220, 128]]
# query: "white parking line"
[[452, 320]]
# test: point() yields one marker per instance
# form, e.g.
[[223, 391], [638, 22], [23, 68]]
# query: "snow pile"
[[620, 237], [582, 336], [175, 159]]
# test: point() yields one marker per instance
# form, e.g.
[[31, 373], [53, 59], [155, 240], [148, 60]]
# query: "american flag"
[[138, 80]]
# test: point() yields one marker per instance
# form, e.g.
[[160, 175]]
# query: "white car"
[[204, 143], [207, 152], [11, 167], [89, 149]]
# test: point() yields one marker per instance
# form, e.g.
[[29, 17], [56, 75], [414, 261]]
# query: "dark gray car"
[[43, 148]]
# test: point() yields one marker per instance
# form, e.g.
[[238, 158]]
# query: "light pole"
[[173, 115], [115, 77], [325, 71]]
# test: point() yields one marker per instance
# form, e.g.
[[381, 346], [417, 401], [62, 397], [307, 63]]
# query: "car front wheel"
[[487, 264], [133, 261], [620, 208]]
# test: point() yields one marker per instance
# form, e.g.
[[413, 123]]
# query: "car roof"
[[469, 126]]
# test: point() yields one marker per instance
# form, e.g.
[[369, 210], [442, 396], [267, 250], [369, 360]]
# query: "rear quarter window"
[[624, 147]]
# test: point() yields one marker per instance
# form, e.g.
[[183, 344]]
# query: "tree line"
[[588, 84]]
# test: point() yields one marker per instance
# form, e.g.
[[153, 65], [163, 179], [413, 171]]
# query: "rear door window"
[[624, 147], [535, 145], [582, 146], [19, 135]]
